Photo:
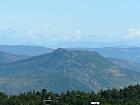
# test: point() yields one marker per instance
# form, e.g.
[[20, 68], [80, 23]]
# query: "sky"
[[40, 22]]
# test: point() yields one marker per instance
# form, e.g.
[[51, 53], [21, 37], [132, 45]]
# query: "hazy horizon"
[[50, 23]]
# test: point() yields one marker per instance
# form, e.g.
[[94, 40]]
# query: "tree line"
[[126, 96]]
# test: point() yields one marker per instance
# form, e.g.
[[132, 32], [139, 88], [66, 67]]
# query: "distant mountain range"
[[8, 58], [131, 54], [125, 64], [65, 69], [25, 50]]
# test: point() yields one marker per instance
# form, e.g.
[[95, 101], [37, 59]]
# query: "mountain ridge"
[[25, 49], [8, 57], [125, 64], [128, 53], [64, 70]]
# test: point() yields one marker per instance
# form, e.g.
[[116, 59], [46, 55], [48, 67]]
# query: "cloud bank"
[[133, 33]]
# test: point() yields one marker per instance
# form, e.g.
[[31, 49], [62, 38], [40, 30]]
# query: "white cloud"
[[42, 34], [132, 34], [77, 32], [76, 35], [46, 26], [32, 35]]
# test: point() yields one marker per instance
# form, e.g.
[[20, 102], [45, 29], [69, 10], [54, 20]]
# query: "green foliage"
[[126, 96], [3, 98]]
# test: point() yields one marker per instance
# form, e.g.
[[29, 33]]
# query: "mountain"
[[62, 70], [131, 54], [8, 58], [126, 64], [25, 50]]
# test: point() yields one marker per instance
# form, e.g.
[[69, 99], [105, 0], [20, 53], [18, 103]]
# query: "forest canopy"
[[126, 96]]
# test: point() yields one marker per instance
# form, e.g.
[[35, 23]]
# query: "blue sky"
[[44, 21]]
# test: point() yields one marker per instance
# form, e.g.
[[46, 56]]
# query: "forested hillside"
[[64, 70], [127, 96]]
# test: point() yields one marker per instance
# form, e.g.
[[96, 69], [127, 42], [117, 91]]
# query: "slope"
[[62, 70], [25, 50], [8, 58]]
